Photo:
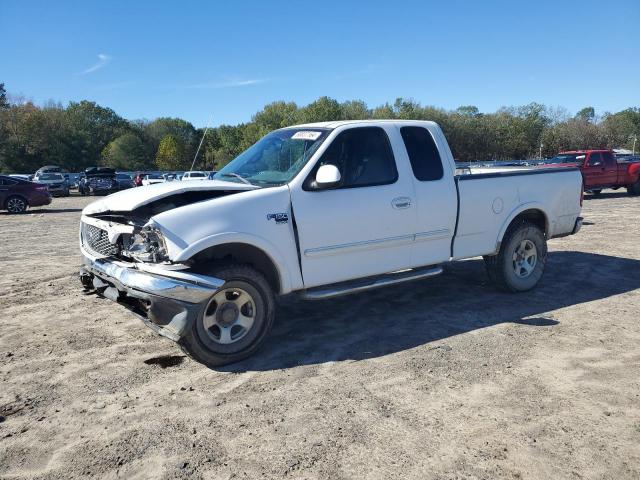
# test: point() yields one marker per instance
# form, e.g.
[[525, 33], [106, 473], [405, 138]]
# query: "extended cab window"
[[609, 159], [423, 153], [595, 159], [363, 156]]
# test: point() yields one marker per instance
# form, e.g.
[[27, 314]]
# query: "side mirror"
[[328, 176]]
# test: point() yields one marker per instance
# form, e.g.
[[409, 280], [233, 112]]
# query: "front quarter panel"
[[261, 218]]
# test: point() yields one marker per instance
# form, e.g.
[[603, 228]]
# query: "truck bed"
[[489, 198]]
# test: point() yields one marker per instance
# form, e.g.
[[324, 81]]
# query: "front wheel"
[[16, 205], [234, 322], [520, 263]]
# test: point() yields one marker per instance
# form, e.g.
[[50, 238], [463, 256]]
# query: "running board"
[[355, 286]]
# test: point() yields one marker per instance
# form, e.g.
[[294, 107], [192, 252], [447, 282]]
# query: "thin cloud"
[[229, 83], [103, 61]]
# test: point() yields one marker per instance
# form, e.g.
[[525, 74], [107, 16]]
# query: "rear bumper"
[[167, 301], [39, 200]]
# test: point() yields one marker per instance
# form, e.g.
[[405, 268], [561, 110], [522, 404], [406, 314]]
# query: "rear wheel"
[[520, 263], [234, 322], [16, 205], [634, 189]]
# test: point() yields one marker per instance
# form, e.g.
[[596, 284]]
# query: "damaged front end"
[[126, 259], [167, 301]]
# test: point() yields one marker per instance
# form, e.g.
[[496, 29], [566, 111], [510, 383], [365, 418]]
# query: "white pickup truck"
[[321, 209]]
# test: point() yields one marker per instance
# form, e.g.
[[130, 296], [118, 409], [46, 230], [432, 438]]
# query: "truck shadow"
[[381, 322], [608, 194]]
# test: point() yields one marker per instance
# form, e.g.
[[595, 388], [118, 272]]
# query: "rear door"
[[610, 169], [365, 226], [435, 194]]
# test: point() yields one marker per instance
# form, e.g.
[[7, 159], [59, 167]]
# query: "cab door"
[[610, 169], [364, 226], [594, 170], [435, 194]]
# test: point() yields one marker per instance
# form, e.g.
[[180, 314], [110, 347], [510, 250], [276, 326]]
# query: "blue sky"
[[225, 60]]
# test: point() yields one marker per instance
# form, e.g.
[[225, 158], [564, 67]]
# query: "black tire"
[[509, 273], [597, 191], [16, 204], [634, 189], [200, 341]]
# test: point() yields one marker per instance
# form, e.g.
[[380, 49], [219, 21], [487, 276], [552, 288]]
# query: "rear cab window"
[[423, 153]]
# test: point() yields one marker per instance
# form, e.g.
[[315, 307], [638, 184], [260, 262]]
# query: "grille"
[[97, 240]]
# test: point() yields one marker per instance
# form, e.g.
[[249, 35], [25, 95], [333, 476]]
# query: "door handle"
[[401, 202]]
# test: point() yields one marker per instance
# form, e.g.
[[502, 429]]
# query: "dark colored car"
[[17, 194], [124, 181], [98, 181], [57, 183]]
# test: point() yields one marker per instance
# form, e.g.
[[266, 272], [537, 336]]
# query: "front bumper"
[[167, 301]]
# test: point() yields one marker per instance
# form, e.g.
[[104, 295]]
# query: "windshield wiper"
[[235, 175]]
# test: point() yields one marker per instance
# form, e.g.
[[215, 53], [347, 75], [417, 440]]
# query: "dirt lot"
[[444, 378]]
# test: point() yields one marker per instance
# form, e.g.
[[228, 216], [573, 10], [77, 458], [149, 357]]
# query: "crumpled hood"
[[128, 200]]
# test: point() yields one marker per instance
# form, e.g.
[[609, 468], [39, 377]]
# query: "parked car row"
[[150, 178]]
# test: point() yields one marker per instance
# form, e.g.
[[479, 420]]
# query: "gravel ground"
[[443, 378]]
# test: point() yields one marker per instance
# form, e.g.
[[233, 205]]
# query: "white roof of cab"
[[340, 123]]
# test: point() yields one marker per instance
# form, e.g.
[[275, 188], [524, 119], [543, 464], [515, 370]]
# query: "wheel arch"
[[243, 251], [19, 195], [531, 212]]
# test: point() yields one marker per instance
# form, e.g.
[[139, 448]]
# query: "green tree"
[[324, 109], [90, 128], [355, 110], [183, 131], [170, 154], [126, 152], [4, 104], [587, 114], [276, 115]]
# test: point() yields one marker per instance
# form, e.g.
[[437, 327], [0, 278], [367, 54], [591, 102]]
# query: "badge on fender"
[[278, 217]]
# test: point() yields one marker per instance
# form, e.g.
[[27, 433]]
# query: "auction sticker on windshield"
[[306, 135]]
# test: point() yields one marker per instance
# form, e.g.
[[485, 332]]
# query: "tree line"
[[83, 134]]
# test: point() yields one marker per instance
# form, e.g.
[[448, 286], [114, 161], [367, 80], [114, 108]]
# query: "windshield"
[[155, 176], [50, 176], [122, 176], [567, 158], [196, 174], [276, 158]]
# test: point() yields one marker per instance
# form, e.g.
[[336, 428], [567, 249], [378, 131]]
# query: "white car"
[[153, 178], [322, 209], [194, 176]]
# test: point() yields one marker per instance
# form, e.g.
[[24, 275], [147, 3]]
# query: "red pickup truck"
[[600, 169]]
